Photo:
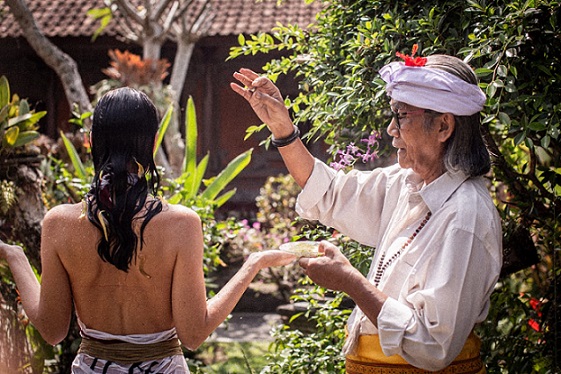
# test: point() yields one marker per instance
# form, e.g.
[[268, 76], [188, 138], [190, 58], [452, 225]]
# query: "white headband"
[[431, 88]]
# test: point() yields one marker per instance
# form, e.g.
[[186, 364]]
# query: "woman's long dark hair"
[[125, 123]]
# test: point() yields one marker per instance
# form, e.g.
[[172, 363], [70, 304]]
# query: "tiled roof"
[[63, 18]]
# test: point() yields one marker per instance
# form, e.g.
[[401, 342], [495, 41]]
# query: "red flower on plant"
[[534, 324], [536, 305], [410, 60]]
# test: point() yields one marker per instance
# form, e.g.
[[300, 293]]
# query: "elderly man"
[[430, 216]]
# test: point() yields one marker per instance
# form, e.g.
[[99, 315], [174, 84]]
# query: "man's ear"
[[446, 125]]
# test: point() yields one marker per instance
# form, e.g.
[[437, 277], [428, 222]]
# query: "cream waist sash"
[[128, 349], [128, 353], [369, 359]]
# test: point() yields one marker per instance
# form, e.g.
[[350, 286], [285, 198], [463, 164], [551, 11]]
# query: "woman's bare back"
[[111, 300]]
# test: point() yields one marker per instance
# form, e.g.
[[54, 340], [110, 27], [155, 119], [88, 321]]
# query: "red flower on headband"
[[409, 60]]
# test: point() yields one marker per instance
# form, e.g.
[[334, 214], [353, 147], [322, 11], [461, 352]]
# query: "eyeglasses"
[[401, 115]]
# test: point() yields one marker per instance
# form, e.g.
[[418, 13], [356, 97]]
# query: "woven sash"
[[371, 360], [128, 353]]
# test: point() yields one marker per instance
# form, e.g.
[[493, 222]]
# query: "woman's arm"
[[266, 100], [49, 305], [195, 317]]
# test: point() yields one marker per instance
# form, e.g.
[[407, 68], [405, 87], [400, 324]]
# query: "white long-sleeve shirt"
[[439, 287]]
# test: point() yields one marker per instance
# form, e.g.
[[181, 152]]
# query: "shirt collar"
[[435, 194]]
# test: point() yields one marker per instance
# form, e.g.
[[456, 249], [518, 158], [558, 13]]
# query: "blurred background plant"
[[273, 225], [18, 123], [21, 211], [511, 46]]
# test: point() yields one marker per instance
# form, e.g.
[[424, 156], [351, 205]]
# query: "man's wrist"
[[289, 139]]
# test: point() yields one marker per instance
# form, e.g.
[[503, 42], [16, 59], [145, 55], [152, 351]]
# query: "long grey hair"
[[465, 149]]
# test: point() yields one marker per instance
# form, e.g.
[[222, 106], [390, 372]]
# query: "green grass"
[[230, 358]]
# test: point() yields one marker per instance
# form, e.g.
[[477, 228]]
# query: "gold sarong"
[[370, 359]]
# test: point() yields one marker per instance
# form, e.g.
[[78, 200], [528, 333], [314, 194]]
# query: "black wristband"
[[278, 143]]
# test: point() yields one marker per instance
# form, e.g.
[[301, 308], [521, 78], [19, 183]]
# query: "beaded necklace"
[[380, 270]]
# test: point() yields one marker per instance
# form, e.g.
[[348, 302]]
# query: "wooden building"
[[223, 116]]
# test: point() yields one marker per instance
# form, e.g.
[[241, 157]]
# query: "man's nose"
[[392, 129]]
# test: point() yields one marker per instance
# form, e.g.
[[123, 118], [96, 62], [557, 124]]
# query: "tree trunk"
[[64, 66], [173, 140], [23, 220], [151, 48]]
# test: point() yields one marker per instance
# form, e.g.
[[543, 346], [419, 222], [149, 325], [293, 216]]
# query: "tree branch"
[[64, 66], [129, 11]]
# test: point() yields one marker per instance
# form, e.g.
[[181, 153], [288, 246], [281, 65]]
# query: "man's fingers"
[[327, 248], [249, 73], [237, 88], [303, 262], [246, 93], [243, 79]]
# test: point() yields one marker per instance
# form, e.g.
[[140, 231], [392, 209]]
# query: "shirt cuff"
[[316, 186], [393, 320]]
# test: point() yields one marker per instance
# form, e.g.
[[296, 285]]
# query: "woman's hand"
[[8, 250], [332, 270], [272, 258], [266, 101]]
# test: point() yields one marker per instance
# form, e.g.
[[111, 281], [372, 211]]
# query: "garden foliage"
[[514, 48]]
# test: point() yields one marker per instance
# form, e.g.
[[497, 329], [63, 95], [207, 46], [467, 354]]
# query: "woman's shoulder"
[[178, 211], [64, 212], [173, 215]]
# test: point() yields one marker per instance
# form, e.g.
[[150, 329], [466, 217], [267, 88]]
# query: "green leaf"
[[241, 39], [23, 107], [252, 130], [537, 126], [227, 175], [222, 199], [12, 135], [25, 137], [483, 72], [491, 90], [502, 71], [4, 91], [4, 113], [26, 120], [164, 123], [191, 135], [519, 138], [195, 180], [74, 157], [98, 12], [104, 15], [504, 118]]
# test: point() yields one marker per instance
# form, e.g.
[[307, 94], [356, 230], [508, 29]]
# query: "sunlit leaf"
[[4, 91], [79, 168], [25, 137], [164, 123], [227, 175], [11, 135]]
